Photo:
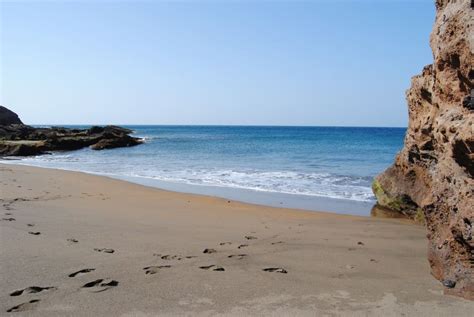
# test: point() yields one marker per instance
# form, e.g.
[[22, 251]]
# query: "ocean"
[[313, 168]]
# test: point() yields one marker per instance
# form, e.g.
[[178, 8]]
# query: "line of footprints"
[[101, 285]]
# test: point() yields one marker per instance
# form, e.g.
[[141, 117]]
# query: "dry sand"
[[336, 265]]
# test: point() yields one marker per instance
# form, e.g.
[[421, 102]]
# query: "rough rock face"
[[432, 177], [8, 117], [24, 140]]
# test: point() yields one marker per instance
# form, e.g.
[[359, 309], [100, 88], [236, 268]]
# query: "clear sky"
[[213, 62]]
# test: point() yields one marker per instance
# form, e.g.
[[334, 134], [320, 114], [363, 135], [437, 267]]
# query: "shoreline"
[[243, 195], [168, 253], [186, 195]]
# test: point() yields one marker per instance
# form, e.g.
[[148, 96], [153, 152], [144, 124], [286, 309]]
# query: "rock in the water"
[[110, 143], [8, 117], [432, 177], [18, 139]]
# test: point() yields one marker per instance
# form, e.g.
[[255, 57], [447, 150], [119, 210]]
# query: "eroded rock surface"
[[17, 139], [432, 177]]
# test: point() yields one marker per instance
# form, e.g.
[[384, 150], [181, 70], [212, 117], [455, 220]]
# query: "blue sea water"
[[317, 168]]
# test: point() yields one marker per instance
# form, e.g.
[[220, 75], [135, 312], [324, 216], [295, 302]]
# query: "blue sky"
[[345, 63]]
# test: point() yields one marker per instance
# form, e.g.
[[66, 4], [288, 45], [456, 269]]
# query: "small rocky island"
[[18, 139]]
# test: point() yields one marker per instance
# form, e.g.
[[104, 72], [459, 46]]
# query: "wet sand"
[[74, 244]]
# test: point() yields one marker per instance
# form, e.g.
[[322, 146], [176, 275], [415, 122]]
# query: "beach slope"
[[84, 245]]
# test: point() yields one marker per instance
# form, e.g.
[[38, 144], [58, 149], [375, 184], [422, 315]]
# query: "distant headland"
[[18, 139]]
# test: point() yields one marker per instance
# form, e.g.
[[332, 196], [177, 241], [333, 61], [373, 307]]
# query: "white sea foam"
[[287, 182]]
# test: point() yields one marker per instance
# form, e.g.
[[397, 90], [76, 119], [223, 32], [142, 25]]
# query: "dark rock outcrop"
[[112, 142], [8, 117], [23, 140], [22, 148], [432, 177]]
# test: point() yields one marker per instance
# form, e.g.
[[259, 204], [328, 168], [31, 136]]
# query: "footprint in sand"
[[80, 272], [213, 267], [242, 246], [154, 269], [250, 238], [169, 257], [8, 219], [8, 214], [72, 240], [238, 256], [24, 306], [279, 242], [276, 270], [35, 233], [30, 224], [101, 285], [209, 251], [206, 267], [104, 250], [32, 290], [225, 243]]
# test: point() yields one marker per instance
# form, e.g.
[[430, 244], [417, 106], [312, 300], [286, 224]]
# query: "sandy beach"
[[85, 245]]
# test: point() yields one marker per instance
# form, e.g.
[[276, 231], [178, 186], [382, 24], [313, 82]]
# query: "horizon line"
[[216, 125]]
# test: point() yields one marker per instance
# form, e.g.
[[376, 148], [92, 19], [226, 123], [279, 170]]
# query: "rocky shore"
[[18, 139], [432, 178]]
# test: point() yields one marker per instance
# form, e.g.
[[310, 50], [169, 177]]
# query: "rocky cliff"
[[17, 139], [432, 177]]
